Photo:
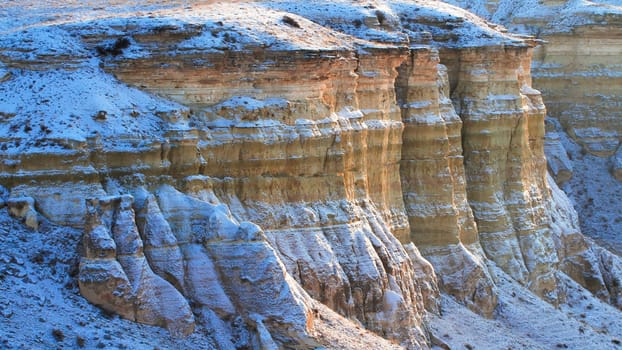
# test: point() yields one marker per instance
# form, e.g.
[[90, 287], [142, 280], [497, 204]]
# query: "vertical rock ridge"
[[433, 182], [115, 275], [576, 68], [505, 168]]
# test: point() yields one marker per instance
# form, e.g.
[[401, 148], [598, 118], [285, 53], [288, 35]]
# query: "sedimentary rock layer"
[[433, 182], [577, 65], [577, 70], [257, 166]]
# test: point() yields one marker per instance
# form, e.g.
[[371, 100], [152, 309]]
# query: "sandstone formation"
[[115, 274], [579, 72], [433, 181], [576, 67], [24, 208], [506, 170], [256, 174]]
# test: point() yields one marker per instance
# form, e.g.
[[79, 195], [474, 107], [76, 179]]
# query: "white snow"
[[545, 327], [555, 17], [596, 194], [50, 108], [38, 294]]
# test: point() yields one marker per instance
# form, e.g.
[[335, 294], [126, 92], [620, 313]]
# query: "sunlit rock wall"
[[434, 183], [242, 169]]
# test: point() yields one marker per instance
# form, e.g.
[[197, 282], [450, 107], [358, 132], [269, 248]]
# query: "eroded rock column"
[[433, 182], [504, 161]]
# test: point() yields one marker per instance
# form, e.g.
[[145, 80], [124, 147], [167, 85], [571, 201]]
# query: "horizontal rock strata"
[[233, 171]]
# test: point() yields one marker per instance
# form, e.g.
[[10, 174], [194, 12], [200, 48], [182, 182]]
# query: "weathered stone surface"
[[115, 275], [579, 73], [559, 165], [234, 270], [425, 277], [504, 161], [347, 167], [577, 70], [433, 181], [24, 208], [160, 244], [611, 268]]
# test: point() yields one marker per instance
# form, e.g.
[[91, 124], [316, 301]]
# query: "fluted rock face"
[[577, 69], [231, 269], [434, 183], [504, 161], [580, 74], [257, 166], [323, 180], [194, 252], [305, 143], [115, 274]]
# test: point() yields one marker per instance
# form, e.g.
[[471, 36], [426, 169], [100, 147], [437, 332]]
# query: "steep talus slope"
[[255, 170]]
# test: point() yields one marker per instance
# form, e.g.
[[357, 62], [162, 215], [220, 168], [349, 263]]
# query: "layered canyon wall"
[[273, 165], [577, 68]]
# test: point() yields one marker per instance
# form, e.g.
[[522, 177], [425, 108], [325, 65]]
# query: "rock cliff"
[[578, 71], [576, 67], [263, 169]]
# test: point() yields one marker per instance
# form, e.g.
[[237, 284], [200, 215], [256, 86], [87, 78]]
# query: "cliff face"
[[506, 169], [259, 168], [577, 68], [578, 71], [434, 183]]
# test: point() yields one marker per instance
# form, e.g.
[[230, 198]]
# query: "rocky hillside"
[[278, 174], [579, 73]]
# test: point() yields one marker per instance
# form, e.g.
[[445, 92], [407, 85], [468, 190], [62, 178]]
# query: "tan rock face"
[[324, 184], [504, 161], [307, 166], [221, 267], [433, 182], [313, 158], [579, 73], [115, 275], [231, 268]]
